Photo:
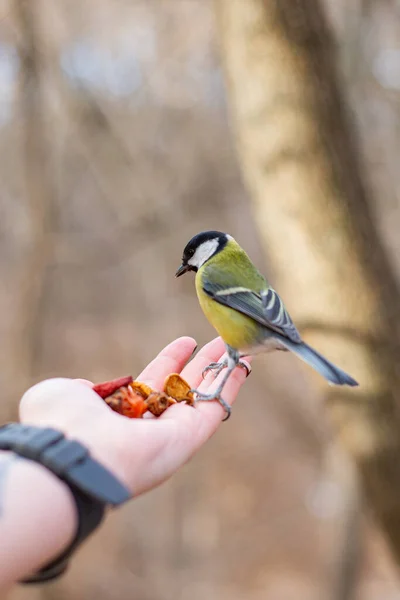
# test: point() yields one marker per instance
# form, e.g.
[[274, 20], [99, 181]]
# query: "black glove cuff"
[[93, 487]]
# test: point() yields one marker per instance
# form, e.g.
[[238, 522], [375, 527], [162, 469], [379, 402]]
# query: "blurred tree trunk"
[[300, 163], [24, 345]]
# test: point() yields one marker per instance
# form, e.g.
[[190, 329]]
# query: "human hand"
[[140, 452]]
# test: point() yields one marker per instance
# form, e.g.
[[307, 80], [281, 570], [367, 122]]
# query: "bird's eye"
[[191, 252]]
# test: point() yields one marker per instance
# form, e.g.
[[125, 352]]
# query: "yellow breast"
[[237, 330]]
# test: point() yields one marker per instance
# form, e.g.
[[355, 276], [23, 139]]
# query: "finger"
[[171, 359], [73, 408], [231, 389], [191, 427], [192, 373], [210, 382], [212, 411], [85, 382], [51, 396]]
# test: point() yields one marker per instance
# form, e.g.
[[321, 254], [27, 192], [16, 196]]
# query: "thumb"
[[60, 399], [72, 407]]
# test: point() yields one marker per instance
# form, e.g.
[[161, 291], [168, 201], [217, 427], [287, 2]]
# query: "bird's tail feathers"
[[327, 369]]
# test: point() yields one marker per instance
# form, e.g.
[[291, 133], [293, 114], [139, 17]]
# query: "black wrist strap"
[[93, 487]]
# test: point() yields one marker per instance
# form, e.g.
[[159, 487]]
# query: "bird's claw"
[[217, 367], [209, 397]]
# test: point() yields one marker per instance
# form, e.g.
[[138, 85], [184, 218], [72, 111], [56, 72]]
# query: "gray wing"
[[265, 307]]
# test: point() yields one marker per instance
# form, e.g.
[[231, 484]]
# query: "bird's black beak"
[[182, 270]]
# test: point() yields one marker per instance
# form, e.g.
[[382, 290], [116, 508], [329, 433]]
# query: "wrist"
[[92, 486], [32, 534], [106, 443]]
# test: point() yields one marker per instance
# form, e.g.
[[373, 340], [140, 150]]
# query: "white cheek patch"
[[203, 253]]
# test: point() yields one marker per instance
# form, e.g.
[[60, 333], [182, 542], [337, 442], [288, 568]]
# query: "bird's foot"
[[217, 367], [216, 396]]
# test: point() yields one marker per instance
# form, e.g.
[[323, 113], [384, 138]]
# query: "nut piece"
[[179, 389], [141, 388], [158, 402]]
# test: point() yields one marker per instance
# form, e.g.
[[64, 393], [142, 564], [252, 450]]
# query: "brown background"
[[133, 155]]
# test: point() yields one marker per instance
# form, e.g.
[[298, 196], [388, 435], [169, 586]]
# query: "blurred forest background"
[[123, 133]]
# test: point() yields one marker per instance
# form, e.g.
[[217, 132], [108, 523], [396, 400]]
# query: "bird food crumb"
[[133, 398]]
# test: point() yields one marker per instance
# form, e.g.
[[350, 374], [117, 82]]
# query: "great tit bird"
[[245, 310]]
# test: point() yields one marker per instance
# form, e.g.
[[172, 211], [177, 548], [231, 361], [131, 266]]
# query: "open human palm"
[[141, 452]]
